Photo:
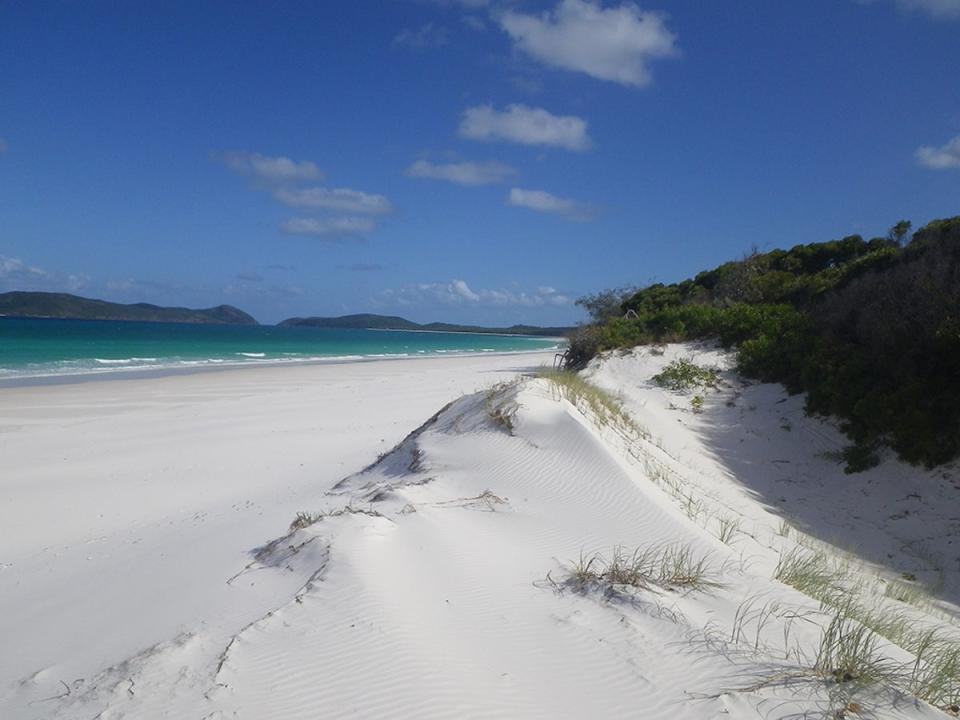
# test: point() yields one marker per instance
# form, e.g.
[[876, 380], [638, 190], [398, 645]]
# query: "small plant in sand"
[[812, 573], [849, 652], [682, 375], [696, 404], [306, 519], [669, 567], [501, 408], [728, 529], [935, 674], [905, 592]]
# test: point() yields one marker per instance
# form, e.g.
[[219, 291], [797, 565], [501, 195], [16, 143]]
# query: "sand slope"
[[431, 584]]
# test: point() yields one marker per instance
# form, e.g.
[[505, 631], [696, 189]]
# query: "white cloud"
[[271, 169], [15, 269], [943, 9], [458, 292], [463, 173], [542, 201], [937, 8], [940, 158], [423, 38], [328, 226], [615, 44], [338, 199], [526, 125], [3, 146], [18, 275]]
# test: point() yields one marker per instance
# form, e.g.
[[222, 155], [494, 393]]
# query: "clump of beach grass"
[[728, 527], [603, 407], [812, 573], [305, 519], [666, 567], [850, 652], [501, 408]]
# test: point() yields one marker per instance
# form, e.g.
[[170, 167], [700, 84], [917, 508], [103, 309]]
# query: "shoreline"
[[153, 372]]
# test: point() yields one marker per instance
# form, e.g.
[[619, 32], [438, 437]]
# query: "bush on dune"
[[870, 330]]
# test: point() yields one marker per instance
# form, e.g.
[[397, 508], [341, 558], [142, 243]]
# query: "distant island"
[[73, 307], [392, 322], [66, 306]]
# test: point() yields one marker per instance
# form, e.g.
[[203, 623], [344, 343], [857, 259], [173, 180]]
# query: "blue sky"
[[463, 160]]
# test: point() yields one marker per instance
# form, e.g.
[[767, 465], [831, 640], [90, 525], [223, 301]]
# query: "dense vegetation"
[[392, 322], [870, 330], [64, 305]]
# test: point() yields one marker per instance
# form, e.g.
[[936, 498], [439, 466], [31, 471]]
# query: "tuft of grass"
[[813, 574], [669, 567], [501, 409], [849, 652], [935, 674], [905, 592], [603, 407], [728, 529], [682, 375], [696, 404], [305, 519]]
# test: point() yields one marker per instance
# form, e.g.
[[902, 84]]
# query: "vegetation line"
[[868, 329]]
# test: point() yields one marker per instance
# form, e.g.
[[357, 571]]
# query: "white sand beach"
[[149, 569]]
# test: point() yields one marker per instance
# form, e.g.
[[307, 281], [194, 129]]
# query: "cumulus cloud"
[[15, 274], [942, 9], [463, 173], [328, 227], [615, 44], [936, 8], [13, 269], [270, 169], [422, 38], [940, 158], [338, 199], [526, 125], [458, 292], [542, 201]]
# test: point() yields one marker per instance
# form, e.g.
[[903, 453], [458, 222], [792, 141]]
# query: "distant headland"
[[73, 307], [393, 322]]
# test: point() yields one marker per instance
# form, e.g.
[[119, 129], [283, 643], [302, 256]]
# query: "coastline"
[[152, 372]]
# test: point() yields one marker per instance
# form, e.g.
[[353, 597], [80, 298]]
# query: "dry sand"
[[148, 570]]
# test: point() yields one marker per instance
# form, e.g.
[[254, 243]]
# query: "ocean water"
[[50, 347]]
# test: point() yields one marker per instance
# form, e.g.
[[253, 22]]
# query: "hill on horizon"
[[393, 322], [73, 307]]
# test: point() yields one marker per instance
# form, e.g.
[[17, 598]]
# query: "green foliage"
[[681, 375], [869, 330]]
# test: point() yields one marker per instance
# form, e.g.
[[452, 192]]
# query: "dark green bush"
[[869, 330]]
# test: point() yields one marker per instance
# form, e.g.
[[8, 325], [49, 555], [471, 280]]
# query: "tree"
[[605, 304], [900, 231]]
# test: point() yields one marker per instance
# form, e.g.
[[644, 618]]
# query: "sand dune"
[[435, 582]]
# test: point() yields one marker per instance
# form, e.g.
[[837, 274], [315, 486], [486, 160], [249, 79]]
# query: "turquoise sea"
[[50, 347]]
